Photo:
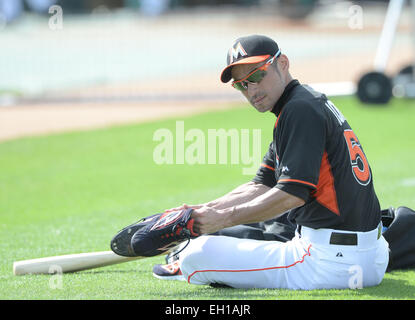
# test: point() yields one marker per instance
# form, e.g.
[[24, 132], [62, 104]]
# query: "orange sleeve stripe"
[[267, 166], [298, 181]]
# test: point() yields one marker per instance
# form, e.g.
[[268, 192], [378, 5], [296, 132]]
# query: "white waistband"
[[322, 236]]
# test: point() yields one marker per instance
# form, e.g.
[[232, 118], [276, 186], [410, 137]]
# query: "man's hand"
[[185, 206], [208, 220]]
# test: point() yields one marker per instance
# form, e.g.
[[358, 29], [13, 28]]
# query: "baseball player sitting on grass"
[[315, 169], [309, 219]]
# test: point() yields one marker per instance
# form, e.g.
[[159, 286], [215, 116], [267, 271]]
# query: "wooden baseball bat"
[[69, 263]]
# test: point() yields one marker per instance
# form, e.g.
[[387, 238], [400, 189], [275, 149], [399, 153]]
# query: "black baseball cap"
[[246, 50]]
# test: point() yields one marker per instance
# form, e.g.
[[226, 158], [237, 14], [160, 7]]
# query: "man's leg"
[[245, 263], [306, 262]]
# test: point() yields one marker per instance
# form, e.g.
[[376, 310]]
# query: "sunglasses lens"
[[240, 86], [257, 76]]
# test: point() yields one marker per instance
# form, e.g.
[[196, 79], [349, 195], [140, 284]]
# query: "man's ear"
[[283, 63]]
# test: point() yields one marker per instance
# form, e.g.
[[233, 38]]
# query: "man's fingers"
[[183, 206]]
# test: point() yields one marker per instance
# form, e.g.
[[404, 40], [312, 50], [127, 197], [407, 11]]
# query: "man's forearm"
[[262, 208], [243, 193]]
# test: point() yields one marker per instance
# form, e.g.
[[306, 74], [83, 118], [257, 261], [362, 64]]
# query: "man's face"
[[265, 94]]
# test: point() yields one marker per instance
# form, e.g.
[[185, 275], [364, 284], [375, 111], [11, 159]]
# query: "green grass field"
[[69, 193]]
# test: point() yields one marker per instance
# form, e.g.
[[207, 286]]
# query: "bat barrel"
[[68, 263]]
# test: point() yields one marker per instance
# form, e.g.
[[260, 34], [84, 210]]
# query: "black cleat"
[[162, 234], [121, 242]]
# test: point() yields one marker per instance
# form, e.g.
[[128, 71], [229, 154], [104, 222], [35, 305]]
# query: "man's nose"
[[252, 89]]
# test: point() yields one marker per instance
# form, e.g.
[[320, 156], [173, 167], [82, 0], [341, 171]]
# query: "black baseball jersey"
[[315, 155]]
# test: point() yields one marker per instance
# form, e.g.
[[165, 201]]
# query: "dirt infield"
[[53, 118]]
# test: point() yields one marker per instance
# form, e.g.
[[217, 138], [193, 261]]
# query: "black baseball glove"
[[154, 234]]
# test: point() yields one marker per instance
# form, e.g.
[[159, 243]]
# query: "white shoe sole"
[[178, 278]]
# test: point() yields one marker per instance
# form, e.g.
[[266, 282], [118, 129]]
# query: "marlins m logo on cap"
[[236, 51]]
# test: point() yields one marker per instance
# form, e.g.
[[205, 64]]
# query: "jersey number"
[[360, 166]]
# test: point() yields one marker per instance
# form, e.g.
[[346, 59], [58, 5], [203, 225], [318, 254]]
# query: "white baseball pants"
[[307, 262]]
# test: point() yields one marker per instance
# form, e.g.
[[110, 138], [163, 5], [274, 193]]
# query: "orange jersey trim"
[[267, 166], [258, 269], [298, 181], [276, 122], [325, 193]]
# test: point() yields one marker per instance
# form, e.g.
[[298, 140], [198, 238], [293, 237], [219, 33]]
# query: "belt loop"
[[380, 229]]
